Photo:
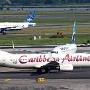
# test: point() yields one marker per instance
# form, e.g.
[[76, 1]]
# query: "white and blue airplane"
[[7, 26], [67, 48]]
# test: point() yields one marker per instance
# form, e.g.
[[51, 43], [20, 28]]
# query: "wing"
[[55, 65], [52, 63], [31, 51], [6, 28]]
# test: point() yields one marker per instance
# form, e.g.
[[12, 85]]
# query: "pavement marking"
[[8, 79], [40, 79]]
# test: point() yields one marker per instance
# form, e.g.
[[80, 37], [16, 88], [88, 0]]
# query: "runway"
[[80, 73], [48, 84]]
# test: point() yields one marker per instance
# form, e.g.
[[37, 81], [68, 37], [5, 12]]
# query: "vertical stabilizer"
[[30, 17], [73, 35]]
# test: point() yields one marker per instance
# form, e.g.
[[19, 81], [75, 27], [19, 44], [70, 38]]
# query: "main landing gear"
[[4, 32], [39, 70]]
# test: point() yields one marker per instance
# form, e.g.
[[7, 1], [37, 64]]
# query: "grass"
[[44, 31], [25, 12], [47, 32], [48, 17], [45, 39], [48, 20], [3, 83]]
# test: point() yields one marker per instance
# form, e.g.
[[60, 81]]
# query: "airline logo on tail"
[[30, 17], [73, 35]]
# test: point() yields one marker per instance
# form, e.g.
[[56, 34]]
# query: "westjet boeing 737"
[[7, 26], [49, 61], [67, 48]]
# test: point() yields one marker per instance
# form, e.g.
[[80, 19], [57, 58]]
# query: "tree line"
[[43, 2]]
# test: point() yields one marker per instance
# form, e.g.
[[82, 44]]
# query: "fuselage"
[[38, 60], [63, 49], [16, 25]]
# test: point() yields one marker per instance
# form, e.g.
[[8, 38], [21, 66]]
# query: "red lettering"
[[44, 58], [80, 59], [66, 58], [40, 58], [20, 59]]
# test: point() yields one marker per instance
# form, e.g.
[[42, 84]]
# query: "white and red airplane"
[[48, 61]]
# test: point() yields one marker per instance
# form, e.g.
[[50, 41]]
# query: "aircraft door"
[[2, 61], [14, 61]]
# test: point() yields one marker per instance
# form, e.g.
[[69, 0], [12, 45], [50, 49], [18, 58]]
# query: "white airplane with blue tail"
[[67, 48], [7, 26]]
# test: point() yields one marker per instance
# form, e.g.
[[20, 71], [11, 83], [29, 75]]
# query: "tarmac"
[[48, 84]]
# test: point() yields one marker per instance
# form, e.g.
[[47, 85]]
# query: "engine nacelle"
[[0, 31], [66, 67]]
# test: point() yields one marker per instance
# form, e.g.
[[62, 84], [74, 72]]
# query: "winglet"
[[73, 35], [30, 17], [13, 45]]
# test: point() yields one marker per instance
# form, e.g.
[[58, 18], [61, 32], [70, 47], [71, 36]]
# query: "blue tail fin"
[[30, 17], [73, 35]]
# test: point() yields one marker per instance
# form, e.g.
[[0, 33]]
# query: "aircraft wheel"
[[59, 69], [47, 70], [4, 32], [39, 70]]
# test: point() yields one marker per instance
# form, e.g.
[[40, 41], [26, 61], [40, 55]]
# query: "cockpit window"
[[64, 48], [54, 51]]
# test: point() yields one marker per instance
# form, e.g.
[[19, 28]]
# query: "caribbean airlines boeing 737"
[[7, 26], [49, 61], [67, 48]]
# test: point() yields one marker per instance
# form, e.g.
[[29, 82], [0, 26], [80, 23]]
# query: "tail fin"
[[73, 35], [30, 17]]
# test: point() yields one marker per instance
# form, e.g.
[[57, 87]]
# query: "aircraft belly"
[[16, 28], [79, 64], [28, 64], [82, 64]]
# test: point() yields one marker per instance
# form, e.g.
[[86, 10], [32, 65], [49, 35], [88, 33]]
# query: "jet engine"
[[66, 67]]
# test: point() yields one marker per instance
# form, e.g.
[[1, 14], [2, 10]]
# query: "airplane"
[[47, 62], [67, 48], [7, 26]]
